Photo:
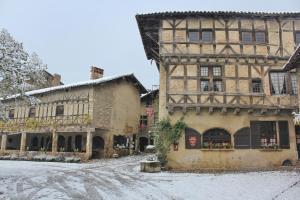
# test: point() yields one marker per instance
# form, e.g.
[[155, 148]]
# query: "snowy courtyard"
[[121, 179]]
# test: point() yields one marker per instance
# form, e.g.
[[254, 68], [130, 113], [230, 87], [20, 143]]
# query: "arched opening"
[[98, 147], [78, 142], [242, 138], [143, 143], [42, 143], [69, 146], [192, 139], [13, 142], [48, 143], [216, 138], [34, 144], [61, 143]]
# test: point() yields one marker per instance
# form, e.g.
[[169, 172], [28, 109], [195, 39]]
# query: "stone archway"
[[61, 143], [78, 142], [98, 147], [143, 143]]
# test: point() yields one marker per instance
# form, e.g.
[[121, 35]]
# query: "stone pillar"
[[3, 142], [23, 142], [89, 144], [54, 141]]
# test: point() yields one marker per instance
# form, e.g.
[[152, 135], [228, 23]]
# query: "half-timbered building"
[[95, 118], [223, 72]]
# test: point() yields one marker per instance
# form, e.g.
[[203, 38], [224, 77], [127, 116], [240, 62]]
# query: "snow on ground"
[[121, 179]]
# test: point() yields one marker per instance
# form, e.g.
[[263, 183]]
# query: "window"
[[207, 36], [294, 89], [60, 110], [216, 138], [242, 138], [260, 37], [120, 142], [32, 112], [217, 85], [193, 36], [297, 38], [284, 138], [212, 78], [256, 86], [204, 71], [247, 37], [204, 85], [11, 114], [143, 121], [278, 83], [192, 139], [217, 71]]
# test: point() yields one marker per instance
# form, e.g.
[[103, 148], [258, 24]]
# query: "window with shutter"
[[255, 134], [242, 138], [284, 140]]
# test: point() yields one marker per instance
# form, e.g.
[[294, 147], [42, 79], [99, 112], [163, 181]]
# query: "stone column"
[[3, 142], [23, 142], [89, 144], [54, 141]]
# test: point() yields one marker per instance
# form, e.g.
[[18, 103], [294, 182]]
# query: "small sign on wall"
[[192, 139]]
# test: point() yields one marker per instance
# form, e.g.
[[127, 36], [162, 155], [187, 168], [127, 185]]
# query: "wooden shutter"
[[242, 138], [284, 134], [192, 139], [255, 134]]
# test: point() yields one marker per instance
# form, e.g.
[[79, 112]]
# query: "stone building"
[[294, 64], [223, 72], [96, 118], [148, 119]]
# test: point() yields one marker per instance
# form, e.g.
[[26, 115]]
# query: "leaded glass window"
[[204, 85], [217, 85], [278, 83], [204, 71], [256, 86], [217, 71], [294, 89]]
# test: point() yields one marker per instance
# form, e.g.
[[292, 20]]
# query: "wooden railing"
[[32, 124]]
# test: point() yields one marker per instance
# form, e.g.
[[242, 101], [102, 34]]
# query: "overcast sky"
[[71, 35]]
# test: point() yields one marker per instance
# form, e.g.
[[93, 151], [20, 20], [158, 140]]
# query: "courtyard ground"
[[121, 179]]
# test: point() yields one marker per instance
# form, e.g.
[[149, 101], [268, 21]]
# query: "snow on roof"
[[79, 84]]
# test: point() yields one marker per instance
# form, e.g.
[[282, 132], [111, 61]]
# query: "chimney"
[[56, 80], [96, 72]]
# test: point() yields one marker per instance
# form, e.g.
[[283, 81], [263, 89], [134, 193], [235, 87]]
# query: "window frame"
[[211, 78], [242, 37], [62, 111], [193, 31], [287, 82], [11, 113], [260, 88], [207, 31], [260, 42], [30, 113]]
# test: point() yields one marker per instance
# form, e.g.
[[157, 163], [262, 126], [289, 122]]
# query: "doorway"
[[98, 147], [143, 141], [297, 128]]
